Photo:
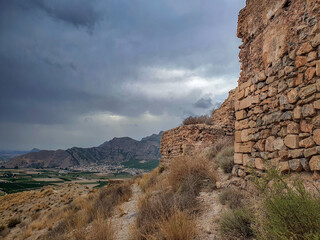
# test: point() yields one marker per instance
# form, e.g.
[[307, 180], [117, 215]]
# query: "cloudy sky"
[[80, 72]]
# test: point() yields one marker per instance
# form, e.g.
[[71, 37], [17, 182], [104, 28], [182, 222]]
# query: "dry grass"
[[95, 209], [204, 119], [191, 173], [148, 180], [222, 143], [179, 226], [232, 197], [224, 159]]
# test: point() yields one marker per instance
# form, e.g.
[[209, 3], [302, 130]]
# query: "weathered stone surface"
[[301, 60], [315, 163], [291, 141], [259, 163], [308, 110], [296, 153], [293, 128], [278, 144], [284, 167], [241, 114], [238, 158], [243, 147], [316, 136], [307, 143], [280, 70], [293, 96], [315, 41], [305, 126], [269, 147], [295, 165], [308, 152], [307, 91]]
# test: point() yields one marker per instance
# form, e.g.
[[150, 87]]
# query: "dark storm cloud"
[[204, 103], [63, 60]]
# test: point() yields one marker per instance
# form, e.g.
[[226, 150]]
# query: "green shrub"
[[290, 212], [13, 222], [232, 197], [224, 159], [236, 224]]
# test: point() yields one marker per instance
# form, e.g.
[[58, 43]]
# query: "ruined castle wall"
[[182, 140], [278, 96]]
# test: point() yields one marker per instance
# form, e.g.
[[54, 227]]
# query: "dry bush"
[[110, 197], [148, 180], [220, 144], [236, 224], [204, 119], [13, 222], [232, 197], [152, 209], [179, 226], [225, 159], [101, 229], [197, 171]]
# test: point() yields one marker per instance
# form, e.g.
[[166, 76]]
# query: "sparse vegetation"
[[290, 211], [232, 197], [203, 119], [236, 224], [224, 159]]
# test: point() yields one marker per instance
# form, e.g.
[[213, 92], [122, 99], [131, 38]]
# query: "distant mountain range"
[[114, 151], [6, 155]]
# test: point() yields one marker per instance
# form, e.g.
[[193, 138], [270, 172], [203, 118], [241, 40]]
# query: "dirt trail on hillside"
[[207, 222], [125, 219]]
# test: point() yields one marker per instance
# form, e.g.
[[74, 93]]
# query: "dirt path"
[[207, 222], [124, 220]]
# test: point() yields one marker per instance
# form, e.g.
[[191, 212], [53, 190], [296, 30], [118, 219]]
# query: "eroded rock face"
[[184, 139], [277, 99]]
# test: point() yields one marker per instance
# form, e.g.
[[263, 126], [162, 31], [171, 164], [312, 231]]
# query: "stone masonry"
[[184, 139], [277, 104]]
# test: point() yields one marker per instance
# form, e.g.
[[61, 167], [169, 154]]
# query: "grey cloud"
[[53, 74], [80, 13], [204, 103]]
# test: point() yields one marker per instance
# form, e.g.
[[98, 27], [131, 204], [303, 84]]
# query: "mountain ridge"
[[111, 152]]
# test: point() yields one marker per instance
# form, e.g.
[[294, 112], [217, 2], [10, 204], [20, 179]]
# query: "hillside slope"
[[111, 152]]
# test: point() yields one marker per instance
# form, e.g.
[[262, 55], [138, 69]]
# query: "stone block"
[[305, 164], [291, 141], [249, 101], [307, 142], [316, 121], [308, 110], [295, 165], [305, 126], [315, 163], [293, 128], [308, 152], [241, 114], [245, 135], [301, 61], [296, 153], [307, 91], [239, 94], [278, 144], [310, 73], [269, 144], [316, 104], [315, 41], [284, 167], [237, 136], [238, 158], [244, 147], [318, 68], [293, 96], [312, 56], [259, 163], [248, 161], [316, 136], [297, 112], [304, 48]]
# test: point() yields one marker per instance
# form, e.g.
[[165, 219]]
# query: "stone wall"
[[278, 96], [184, 139]]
